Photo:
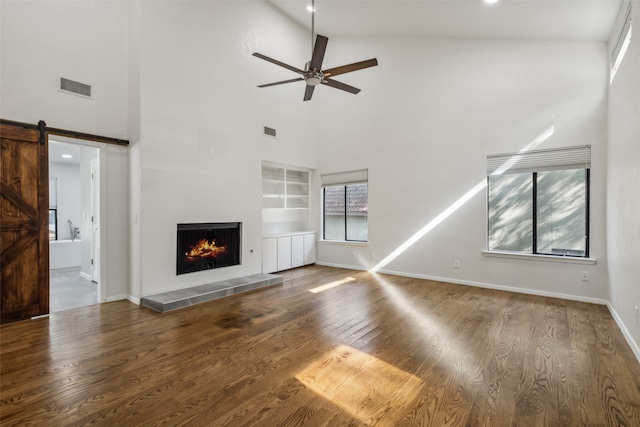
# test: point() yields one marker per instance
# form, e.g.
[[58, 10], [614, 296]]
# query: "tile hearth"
[[185, 297]]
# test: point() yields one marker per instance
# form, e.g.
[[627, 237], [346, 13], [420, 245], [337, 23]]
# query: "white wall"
[[84, 41], [623, 188], [198, 92], [427, 117]]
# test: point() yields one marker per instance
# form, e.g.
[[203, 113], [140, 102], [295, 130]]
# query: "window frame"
[[534, 225], [346, 229]]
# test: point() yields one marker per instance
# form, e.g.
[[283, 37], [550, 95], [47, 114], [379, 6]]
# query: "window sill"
[[544, 258], [343, 242]]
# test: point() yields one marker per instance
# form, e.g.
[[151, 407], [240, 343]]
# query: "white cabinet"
[[269, 255], [309, 248], [297, 251], [288, 251], [284, 253]]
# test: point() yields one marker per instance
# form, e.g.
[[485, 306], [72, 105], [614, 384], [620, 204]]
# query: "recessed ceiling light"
[[67, 156], [310, 8], [491, 1]]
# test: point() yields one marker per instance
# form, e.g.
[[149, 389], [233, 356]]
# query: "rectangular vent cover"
[[76, 88], [269, 131]]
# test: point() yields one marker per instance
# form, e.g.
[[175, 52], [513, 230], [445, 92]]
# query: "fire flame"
[[205, 249]]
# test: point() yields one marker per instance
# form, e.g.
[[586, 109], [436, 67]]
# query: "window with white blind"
[[538, 202], [621, 39], [345, 206]]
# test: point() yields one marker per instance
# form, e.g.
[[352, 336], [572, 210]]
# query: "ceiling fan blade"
[[351, 67], [308, 92], [318, 53], [275, 61], [282, 82], [341, 86]]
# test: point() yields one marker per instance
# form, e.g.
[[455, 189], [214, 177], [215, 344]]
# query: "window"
[[53, 208], [53, 224], [345, 207], [622, 39], [538, 202]]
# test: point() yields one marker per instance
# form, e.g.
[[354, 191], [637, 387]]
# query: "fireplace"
[[208, 245]]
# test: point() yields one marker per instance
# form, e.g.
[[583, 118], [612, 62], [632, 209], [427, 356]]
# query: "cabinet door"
[[297, 251], [284, 253], [269, 255], [309, 248]]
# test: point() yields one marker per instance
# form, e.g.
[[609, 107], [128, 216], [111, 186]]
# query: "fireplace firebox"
[[206, 246]]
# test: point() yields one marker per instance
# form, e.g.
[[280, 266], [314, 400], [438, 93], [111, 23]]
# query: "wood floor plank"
[[377, 350]]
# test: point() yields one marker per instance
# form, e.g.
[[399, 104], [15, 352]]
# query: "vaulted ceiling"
[[569, 20]]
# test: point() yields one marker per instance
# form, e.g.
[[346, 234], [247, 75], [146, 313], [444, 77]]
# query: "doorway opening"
[[74, 222]]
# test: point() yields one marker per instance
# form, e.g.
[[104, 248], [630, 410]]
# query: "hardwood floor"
[[362, 349]]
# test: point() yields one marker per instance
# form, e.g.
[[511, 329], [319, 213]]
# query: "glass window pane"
[[52, 224], [357, 210], [511, 213], [334, 213], [562, 213]]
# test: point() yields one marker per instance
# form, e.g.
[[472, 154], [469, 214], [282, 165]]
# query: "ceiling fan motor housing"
[[312, 77]]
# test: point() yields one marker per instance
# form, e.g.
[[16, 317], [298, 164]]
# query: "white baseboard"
[[116, 298], [129, 298], [625, 332], [480, 285], [85, 276], [346, 267], [634, 345], [526, 291], [134, 300]]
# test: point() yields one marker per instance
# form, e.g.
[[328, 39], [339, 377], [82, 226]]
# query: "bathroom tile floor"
[[69, 290]]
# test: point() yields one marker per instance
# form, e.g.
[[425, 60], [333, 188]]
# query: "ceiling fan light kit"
[[313, 74]]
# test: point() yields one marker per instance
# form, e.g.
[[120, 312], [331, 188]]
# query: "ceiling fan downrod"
[[313, 24]]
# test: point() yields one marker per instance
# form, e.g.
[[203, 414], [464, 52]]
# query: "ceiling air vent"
[[269, 131], [75, 88]]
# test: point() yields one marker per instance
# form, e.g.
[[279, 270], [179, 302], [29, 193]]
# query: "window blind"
[[350, 177], [624, 27], [578, 157]]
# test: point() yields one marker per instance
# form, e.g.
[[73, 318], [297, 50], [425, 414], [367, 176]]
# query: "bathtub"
[[65, 253]]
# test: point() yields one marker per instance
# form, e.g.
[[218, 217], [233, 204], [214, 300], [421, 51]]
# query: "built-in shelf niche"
[[284, 188]]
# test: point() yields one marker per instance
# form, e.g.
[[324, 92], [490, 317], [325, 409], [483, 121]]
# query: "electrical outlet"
[[212, 152], [637, 315], [456, 263], [585, 276], [353, 254], [373, 255]]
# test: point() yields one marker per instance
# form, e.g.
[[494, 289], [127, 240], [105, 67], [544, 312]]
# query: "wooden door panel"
[[24, 245]]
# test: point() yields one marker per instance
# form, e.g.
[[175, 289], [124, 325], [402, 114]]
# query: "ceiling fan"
[[313, 74]]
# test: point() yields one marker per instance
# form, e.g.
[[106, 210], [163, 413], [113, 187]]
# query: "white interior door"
[[95, 221]]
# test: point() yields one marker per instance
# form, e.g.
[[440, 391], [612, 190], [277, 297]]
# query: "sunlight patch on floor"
[[357, 382], [337, 283]]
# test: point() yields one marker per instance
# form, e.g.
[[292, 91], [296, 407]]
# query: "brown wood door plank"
[[24, 244]]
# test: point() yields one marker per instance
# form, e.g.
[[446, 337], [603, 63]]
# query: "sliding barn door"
[[24, 244]]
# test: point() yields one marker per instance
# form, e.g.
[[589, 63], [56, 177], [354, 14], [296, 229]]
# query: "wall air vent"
[[269, 131], [76, 88]]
